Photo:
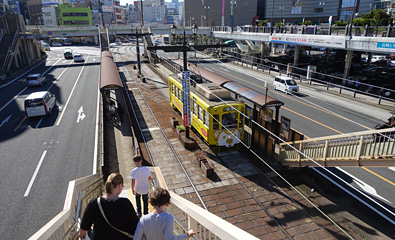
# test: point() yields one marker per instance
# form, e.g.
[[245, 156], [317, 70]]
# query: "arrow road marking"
[[5, 120], [81, 114]]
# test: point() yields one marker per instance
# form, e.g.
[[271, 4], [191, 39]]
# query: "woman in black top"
[[118, 211]]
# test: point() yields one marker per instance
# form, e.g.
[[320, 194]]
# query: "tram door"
[[261, 138]]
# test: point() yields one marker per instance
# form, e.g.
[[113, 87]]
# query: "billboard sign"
[[107, 8], [50, 2]]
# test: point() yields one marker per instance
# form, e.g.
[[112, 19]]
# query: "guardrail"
[[65, 224], [366, 148], [324, 29], [186, 214], [347, 84]]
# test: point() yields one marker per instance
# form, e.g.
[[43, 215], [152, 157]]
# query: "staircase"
[[7, 46]]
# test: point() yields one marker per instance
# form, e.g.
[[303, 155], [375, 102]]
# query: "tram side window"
[[195, 106], [179, 94], [206, 118], [172, 89], [215, 122], [200, 113]]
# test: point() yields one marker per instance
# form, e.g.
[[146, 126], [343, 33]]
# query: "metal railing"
[[366, 148]]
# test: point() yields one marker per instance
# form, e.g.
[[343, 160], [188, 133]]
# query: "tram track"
[[157, 104]]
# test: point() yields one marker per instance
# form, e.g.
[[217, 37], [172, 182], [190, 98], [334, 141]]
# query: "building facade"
[[214, 13], [69, 15]]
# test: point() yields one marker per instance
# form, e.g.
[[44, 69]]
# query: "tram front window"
[[229, 120]]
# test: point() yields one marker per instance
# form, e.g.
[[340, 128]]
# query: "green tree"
[[307, 22], [377, 17]]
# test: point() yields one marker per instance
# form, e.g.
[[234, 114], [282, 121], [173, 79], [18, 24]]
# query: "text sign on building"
[[385, 45], [107, 8], [186, 98]]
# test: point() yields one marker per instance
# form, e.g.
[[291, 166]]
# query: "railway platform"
[[251, 198]]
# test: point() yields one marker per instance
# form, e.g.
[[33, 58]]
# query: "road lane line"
[[72, 90], [17, 95], [20, 123], [39, 122], [377, 175], [1, 109], [96, 131], [35, 174]]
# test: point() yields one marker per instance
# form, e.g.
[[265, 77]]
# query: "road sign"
[[49, 33], [186, 98]]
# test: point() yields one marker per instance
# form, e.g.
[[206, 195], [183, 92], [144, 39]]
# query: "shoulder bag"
[[102, 213]]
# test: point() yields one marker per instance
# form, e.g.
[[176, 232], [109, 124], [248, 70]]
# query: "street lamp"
[[232, 3], [207, 8], [194, 29], [281, 10], [201, 20], [173, 30], [322, 4], [190, 21]]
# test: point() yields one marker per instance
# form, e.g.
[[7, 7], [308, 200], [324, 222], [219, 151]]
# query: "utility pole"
[[137, 35], [142, 15]]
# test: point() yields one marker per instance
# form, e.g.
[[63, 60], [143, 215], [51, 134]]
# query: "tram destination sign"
[[186, 98]]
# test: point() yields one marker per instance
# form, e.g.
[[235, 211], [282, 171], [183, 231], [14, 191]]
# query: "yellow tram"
[[216, 120]]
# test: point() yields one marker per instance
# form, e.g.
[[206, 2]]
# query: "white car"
[[35, 80], [285, 84], [78, 58], [39, 104]]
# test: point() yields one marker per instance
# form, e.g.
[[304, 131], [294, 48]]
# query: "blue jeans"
[[145, 203]]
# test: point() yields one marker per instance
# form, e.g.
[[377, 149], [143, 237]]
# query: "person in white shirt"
[[140, 184]]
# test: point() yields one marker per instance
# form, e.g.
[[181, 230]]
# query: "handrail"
[[79, 193], [365, 148]]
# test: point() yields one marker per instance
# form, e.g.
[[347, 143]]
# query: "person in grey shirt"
[[158, 225]]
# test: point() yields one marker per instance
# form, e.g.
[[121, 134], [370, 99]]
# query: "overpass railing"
[[186, 214], [374, 148], [323, 29]]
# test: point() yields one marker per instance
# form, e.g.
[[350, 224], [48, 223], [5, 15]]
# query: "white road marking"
[[35, 174], [81, 115], [392, 168], [5, 120], [366, 187], [72, 90]]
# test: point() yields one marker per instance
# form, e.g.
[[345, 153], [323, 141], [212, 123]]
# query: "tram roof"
[[109, 75], [256, 97]]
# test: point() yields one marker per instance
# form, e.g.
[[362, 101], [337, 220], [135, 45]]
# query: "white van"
[[40, 104], [285, 84]]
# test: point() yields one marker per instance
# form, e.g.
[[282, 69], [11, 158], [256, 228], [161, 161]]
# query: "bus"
[[64, 41]]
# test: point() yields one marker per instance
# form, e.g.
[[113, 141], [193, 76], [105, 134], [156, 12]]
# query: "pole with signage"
[[186, 98]]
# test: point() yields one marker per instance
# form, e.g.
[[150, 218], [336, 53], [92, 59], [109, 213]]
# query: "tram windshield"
[[229, 120]]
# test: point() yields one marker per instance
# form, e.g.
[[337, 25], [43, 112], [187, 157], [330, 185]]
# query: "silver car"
[[35, 80]]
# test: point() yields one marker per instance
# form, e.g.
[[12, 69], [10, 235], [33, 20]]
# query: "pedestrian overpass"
[[372, 148]]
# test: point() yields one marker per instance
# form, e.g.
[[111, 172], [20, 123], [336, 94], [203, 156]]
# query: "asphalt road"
[[316, 113], [41, 155]]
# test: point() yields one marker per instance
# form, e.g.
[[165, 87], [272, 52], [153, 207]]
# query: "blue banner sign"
[[385, 45]]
